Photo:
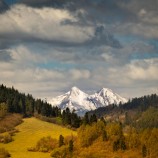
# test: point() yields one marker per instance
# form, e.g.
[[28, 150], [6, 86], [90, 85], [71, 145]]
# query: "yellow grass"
[[31, 130]]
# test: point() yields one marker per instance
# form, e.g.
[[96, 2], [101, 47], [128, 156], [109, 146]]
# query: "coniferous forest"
[[12, 101], [125, 131]]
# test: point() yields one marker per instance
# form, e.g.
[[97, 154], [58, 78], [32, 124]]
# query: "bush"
[[6, 138], [89, 133], [32, 149], [9, 122], [12, 132], [61, 152], [4, 153], [55, 120], [46, 144]]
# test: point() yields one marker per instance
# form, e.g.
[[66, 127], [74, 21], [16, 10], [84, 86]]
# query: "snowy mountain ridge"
[[82, 102]]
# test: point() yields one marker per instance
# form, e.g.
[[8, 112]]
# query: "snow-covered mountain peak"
[[75, 89], [75, 92], [77, 100], [105, 92]]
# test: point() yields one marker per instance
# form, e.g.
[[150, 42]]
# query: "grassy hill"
[[30, 131]]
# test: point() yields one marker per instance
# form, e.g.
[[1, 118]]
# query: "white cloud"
[[143, 69], [106, 66], [22, 54], [77, 74], [44, 24], [142, 29], [142, 12]]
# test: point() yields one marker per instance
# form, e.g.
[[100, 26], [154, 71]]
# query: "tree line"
[[16, 102], [12, 101]]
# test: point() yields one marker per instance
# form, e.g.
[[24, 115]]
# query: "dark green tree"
[[86, 119], [61, 140], [116, 145], [93, 118], [104, 135], [144, 151], [103, 120], [75, 120], [71, 145]]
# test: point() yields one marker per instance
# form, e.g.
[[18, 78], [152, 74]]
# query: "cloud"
[[4, 55], [140, 29], [144, 70], [41, 82], [79, 74], [50, 25], [41, 24], [46, 46]]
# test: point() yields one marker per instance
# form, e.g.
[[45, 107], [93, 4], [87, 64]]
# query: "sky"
[[49, 46]]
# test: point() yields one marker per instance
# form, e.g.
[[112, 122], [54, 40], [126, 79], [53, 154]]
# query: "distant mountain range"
[[82, 102]]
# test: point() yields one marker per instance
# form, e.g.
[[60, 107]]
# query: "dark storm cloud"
[[17, 35], [44, 3], [96, 10], [99, 14], [102, 37]]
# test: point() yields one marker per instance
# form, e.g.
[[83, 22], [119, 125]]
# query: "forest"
[[12, 101], [125, 131]]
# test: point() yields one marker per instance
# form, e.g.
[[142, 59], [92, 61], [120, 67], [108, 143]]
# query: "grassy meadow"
[[30, 131]]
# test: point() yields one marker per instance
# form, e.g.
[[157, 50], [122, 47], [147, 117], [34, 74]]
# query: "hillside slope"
[[31, 130]]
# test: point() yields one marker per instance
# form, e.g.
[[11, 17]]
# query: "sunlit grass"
[[30, 131]]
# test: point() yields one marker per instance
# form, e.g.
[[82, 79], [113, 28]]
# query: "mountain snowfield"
[[81, 102]]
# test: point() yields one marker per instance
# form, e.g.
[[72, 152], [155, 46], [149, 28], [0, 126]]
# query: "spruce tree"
[[71, 145], [61, 140], [104, 135], [93, 118], [86, 119], [144, 151]]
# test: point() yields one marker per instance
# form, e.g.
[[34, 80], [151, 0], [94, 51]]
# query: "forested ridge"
[[17, 102], [134, 112], [12, 101]]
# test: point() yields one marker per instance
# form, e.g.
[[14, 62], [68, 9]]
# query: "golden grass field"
[[30, 131]]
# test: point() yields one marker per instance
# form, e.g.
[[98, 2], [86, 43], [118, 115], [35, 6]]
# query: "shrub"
[[4, 153], [46, 144], [60, 152], [9, 122], [89, 133], [6, 138], [32, 149]]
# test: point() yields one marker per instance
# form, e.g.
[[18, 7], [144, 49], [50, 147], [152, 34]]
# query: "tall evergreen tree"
[[86, 119], [71, 145], [93, 118], [61, 140], [144, 151]]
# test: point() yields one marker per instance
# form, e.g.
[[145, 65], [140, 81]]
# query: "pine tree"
[[104, 135], [115, 145], [71, 145], [103, 120], [86, 119], [61, 140], [93, 118], [144, 151]]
